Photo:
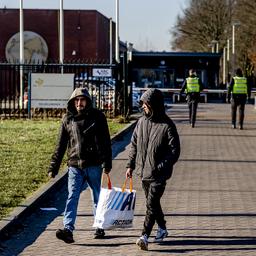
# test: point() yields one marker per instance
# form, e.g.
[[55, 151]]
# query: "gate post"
[[125, 85]]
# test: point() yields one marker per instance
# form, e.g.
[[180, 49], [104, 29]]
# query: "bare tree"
[[246, 34], [201, 23], [206, 20]]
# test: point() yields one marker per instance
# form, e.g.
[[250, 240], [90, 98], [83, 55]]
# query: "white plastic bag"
[[115, 208]]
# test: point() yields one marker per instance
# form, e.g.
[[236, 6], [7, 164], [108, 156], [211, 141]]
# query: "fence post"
[[125, 84], [29, 95]]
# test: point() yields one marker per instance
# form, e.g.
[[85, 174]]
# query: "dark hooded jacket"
[[85, 136], [155, 144]]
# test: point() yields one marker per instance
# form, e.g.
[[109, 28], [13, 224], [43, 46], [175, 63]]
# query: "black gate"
[[107, 92]]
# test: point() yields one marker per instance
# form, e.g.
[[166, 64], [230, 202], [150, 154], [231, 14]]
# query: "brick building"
[[86, 33]]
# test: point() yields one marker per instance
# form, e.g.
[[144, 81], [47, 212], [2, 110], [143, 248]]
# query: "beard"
[[80, 110], [148, 113]]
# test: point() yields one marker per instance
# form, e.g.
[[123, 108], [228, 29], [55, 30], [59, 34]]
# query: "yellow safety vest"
[[240, 85], [193, 84]]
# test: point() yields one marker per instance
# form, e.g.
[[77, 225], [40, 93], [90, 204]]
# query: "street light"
[[21, 53], [224, 65], [234, 24], [228, 49], [110, 41], [129, 51], [228, 59], [61, 35], [215, 46], [128, 89], [117, 32]]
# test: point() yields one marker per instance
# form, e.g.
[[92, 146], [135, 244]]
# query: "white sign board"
[[101, 72], [50, 90]]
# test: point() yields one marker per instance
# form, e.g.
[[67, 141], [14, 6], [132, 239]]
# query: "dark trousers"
[[238, 103], [154, 213], [192, 105]]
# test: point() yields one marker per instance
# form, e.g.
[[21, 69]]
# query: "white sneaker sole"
[[142, 245]]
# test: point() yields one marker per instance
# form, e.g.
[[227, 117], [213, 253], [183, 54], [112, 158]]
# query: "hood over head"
[[79, 92], [155, 100]]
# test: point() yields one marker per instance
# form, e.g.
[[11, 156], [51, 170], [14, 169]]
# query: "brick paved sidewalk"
[[210, 202]]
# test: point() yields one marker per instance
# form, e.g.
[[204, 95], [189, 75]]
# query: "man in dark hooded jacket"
[[84, 134], [155, 148]]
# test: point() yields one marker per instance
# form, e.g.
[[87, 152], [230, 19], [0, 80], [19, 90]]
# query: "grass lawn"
[[26, 147]]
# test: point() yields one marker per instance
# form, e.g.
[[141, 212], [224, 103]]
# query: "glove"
[[106, 170]]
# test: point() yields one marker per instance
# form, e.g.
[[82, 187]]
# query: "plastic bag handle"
[[108, 180], [130, 185]]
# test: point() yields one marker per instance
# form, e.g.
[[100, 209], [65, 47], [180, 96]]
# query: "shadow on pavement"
[[31, 227], [201, 241]]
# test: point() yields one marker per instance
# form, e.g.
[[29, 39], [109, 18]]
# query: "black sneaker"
[[65, 235], [99, 233]]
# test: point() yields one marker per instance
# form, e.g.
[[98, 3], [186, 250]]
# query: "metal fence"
[[106, 92]]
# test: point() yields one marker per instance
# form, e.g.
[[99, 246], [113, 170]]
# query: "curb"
[[14, 220]]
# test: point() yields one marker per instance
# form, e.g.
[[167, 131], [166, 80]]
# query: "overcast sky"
[[145, 23]]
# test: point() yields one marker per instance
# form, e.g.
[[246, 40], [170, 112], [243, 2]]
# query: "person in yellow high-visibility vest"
[[239, 91], [192, 86]]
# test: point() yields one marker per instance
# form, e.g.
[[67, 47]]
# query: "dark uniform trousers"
[[192, 100], [238, 102]]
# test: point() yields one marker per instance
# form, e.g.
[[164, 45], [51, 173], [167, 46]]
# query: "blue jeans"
[[77, 181]]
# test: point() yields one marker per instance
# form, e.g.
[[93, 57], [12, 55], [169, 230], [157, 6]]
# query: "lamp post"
[[212, 48], [224, 66], [21, 54], [215, 46], [129, 47], [129, 51], [61, 47], [228, 49], [110, 41], [237, 23], [117, 32], [228, 59]]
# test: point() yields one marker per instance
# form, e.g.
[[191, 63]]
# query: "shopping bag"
[[115, 208]]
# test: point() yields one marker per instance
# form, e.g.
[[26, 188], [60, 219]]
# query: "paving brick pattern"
[[210, 201]]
